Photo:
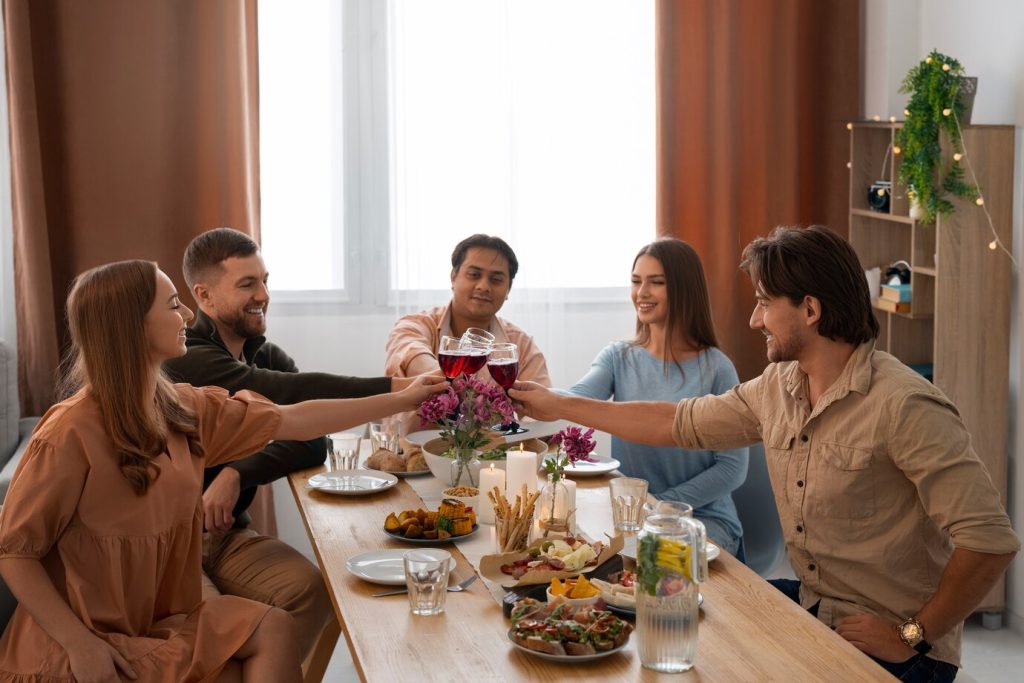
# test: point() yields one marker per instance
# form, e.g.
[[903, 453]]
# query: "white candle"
[[520, 468], [489, 478], [570, 486]]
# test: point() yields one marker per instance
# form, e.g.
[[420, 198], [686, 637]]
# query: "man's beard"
[[245, 328]]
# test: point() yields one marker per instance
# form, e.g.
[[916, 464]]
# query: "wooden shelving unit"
[[960, 305]]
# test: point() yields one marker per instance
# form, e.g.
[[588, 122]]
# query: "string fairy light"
[[996, 243]]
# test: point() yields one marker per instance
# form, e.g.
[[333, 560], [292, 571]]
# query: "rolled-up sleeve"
[[930, 443], [729, 420], [412, 346]]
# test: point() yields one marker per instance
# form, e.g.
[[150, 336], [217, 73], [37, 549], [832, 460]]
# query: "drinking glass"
[[503, 364], [426, 576], [343, 451], [628, 498], [477, 344], [384, 434], [474, 336], [451, 357]]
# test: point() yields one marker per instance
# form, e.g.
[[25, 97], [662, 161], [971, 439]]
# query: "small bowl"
[[440, 465], [468, 501], [574, 602]]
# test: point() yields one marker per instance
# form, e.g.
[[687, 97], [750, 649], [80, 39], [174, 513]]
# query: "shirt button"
[[803, 437], [812, 567], [799, 529], [800, 483]]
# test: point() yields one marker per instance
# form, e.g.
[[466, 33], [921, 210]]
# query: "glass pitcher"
[[668, 555]]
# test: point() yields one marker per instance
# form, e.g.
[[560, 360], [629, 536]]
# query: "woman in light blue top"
[[673, 356]]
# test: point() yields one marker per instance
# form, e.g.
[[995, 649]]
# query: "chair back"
[[763, 543]]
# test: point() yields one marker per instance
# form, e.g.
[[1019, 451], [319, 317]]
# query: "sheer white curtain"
[[532, 120]]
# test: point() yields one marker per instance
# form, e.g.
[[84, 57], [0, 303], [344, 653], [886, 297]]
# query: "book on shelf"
[[896, 292], [893, 306]]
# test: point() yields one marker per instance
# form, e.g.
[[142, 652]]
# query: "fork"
[[457, 588]]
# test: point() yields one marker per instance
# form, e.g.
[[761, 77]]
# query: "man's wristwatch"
[[911, 632]]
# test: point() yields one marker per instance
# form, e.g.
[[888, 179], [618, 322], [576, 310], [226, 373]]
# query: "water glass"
[[384, 434], [426, 576], [343, 451], [628, 498]]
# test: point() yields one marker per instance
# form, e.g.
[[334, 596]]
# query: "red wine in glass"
[[504, 372], [474, 362], [452, 364]]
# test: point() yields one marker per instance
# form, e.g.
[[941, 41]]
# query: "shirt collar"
[[856, 376], [444, 326]]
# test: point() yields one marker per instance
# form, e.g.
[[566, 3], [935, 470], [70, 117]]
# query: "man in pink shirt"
[[483, 268]]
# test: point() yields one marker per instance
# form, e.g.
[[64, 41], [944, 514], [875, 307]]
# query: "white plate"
[[592, 469], [401, 475], [629, 549], [382, 566], [565, 658], [534, 430], [352, 482]]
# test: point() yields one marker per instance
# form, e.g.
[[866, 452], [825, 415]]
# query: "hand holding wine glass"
[[503, 364]]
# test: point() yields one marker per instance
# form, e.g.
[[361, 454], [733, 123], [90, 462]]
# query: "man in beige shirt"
[[892, 523], [483, 268]]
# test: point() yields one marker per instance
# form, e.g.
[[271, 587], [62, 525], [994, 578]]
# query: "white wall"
[[985, 36]]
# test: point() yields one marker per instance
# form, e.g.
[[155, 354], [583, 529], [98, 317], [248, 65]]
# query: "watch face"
[[911, 631]]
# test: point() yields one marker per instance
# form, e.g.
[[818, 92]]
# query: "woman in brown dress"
[[101, 529]]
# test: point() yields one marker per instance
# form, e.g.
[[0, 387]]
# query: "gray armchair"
[[14, 429]]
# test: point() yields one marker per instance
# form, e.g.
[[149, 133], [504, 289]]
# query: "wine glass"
[[477, 344], [503, 364], [452, 357]]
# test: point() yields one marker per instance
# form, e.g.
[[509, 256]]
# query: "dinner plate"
[[629, 549], [400, 474], [534, 430], [582, 468], [381, 566], [564, 658], [431, 541], [352, 482], [631, 611]]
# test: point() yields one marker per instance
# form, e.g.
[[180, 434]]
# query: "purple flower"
[[437, 408], [466, 411], [576, 443]]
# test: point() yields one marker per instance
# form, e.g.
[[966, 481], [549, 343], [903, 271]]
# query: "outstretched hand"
[[420, 389], [399, 384], [536, 401]]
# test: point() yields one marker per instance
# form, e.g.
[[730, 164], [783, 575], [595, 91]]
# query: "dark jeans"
[[917, 669]]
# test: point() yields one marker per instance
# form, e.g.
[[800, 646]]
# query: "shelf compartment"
[[869, 147], [879, 241]]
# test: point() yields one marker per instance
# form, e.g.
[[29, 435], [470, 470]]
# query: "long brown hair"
[[689, 307], [109, 354]]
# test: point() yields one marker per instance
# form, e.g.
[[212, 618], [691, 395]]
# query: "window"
[[526, 119]]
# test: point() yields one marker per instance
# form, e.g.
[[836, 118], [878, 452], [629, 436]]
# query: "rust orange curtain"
[[753, 97], [133, 129]]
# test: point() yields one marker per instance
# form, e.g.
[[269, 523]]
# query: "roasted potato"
[[392, 524]]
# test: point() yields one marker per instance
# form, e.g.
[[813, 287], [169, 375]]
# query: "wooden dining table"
[[748, 630]]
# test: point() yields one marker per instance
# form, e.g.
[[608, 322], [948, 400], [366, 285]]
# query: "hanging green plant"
[[935, 92]]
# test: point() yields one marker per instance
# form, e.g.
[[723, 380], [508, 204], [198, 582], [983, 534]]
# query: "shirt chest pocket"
[[842, 484]]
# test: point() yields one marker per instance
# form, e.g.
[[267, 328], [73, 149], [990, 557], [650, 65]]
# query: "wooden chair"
[[315, 666]]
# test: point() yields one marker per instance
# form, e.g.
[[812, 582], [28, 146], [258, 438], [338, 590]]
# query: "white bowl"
[[440, 465], [575, 602]]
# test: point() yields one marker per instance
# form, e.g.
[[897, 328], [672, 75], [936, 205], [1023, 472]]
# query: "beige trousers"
[[249, 565]]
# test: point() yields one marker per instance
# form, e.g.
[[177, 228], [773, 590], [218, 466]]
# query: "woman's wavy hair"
[[689, 306], [109, 355]]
